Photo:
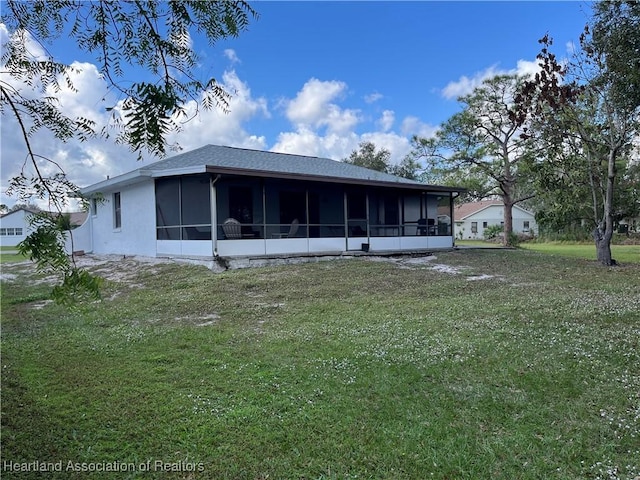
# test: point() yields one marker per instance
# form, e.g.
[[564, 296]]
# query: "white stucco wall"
[[137, 235], [13, 220], [79, 239]]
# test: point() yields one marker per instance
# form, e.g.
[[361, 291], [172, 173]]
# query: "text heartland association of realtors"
[[114, 466]]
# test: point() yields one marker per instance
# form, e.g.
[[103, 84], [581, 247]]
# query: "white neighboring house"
[[471, 219], [14, 226]]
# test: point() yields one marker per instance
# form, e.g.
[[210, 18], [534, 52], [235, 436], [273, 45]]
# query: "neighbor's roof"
[[465, 210], [462, 211], [76, 218], [240, 161]]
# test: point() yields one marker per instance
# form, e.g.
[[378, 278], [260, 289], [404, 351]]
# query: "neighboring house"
[[224, 201], [629, 225], [471, 219], [14, 226]]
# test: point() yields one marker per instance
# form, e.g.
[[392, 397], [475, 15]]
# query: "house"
[[471, 219], [15, 226], [219, 201]]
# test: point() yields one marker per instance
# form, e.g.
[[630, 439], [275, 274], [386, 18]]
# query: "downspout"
[[214, 216], [454, 195]]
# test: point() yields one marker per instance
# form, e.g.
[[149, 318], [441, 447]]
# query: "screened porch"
[[266, 216]]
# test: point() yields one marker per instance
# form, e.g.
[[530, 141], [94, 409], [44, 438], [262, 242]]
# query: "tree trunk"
[[603, 246], [507, 230], [604, 231]]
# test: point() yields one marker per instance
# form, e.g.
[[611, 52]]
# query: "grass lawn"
[[479, 364], [476, 243], [622, 253], [8, 255]]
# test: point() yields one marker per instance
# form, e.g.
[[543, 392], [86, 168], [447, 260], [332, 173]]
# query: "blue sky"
[[318, 78]]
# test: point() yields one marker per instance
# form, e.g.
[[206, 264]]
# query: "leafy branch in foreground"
[[45, 245], [155, 38]]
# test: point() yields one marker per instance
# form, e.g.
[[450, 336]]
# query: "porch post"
[[346, 220], [214, 216]]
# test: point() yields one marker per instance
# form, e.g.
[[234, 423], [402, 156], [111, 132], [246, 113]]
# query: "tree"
[[589, 112], [483, 142], [367, 156], [153, 36]]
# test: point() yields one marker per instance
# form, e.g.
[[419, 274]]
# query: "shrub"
[[492, 231]]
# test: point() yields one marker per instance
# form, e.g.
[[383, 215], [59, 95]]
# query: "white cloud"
[[231, 55], [414, 126], [89, 162], [218, 127], [373, 97], [313, 107], [385, 122], [307, 142], [397, 145], [465, 85]]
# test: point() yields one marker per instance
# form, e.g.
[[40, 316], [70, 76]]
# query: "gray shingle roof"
[[241, 161], [278, 163]]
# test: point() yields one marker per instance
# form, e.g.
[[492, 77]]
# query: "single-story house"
[[471, 219], [15, 226], [219, 201]]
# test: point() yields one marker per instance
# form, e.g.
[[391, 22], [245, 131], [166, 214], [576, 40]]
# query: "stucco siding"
[[137, 232], [9, 223], [79, 239]]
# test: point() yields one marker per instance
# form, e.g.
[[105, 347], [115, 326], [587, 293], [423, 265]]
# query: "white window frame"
[[117, 211]]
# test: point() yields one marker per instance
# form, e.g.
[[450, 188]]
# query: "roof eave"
[[137, 176], [111, 184], [327, 179]]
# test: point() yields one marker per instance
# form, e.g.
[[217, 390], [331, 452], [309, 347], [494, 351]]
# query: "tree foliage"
[[380, 160], [483, 143], [366, 156], [587, 115], [45, 246], [152, 37]]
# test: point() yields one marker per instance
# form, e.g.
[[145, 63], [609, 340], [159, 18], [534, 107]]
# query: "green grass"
[[476, 243], [622, 253], [514, 365], [10, 257]]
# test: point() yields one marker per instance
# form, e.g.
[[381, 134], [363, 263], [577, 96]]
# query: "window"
[[3, 231], [94, 207], [525, 225], [474, 227], [18, 231], [485, 224], [117, 211]]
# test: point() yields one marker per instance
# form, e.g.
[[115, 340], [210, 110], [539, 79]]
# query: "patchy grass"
[[494, 364], [477, 243], [622, 253]]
